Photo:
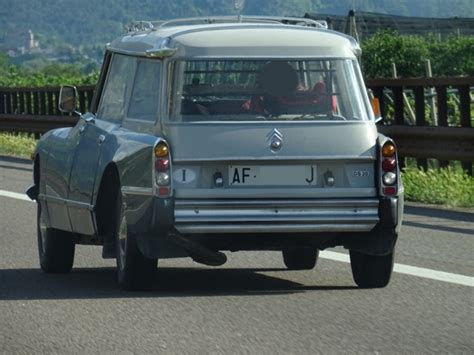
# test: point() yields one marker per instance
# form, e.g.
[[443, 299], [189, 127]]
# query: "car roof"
[[235, 40]]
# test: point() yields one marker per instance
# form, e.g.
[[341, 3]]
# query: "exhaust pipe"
[[199, 253]]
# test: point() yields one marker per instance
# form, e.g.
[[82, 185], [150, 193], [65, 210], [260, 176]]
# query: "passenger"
[[280, 92]]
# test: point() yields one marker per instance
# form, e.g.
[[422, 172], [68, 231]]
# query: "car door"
[[62, 144], [96, 131]]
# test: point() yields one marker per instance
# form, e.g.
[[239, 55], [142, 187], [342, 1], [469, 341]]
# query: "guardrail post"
[[399, 118], [8, 101], [2, 102], [50, 103], [465, 110], [420, 116], [442, 101], [29, 108]]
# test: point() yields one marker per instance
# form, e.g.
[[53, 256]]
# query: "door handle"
[[101, 139]]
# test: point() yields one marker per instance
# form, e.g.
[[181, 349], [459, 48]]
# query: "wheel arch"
[[106, 199]]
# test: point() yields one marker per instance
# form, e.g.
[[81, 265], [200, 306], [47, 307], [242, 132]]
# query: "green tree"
[[407, 52]]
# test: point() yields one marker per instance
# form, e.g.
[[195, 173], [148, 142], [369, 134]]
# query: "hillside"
[[91, 22]]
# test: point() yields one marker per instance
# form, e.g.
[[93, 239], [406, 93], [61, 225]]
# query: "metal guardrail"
[[443, 143]]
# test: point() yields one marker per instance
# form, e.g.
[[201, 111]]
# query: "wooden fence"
[[35, 110], [422, 140]]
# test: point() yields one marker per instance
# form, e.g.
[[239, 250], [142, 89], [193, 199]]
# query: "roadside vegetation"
[[17, 145], [448, 186]]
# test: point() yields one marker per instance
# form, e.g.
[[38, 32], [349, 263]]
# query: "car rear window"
[[258, 90]]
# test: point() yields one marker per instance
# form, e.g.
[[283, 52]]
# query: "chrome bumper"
[[276, 216]]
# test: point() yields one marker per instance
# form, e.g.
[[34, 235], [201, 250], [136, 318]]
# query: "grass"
[[450, 186], [18, 145]]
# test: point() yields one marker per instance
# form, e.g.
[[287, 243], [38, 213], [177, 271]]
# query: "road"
[[250, 305]]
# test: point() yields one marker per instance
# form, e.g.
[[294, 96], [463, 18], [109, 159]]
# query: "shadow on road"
[[440, 213], [439, 227], [33, 284]]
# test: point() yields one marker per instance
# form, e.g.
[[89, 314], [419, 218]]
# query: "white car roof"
[[238, 40]]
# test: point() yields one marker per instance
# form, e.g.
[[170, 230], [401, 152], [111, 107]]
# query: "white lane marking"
[[14, 195], [399, 268], [411, 270]]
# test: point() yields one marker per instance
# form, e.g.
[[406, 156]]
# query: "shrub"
[[447, 186]]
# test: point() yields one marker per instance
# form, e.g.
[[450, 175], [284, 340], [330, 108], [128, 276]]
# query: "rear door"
[[296, 159]]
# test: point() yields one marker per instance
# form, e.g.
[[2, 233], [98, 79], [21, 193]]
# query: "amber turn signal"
[[388, 149], [161, 150]]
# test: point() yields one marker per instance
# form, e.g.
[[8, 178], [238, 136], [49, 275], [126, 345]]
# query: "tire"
[[300, 258], [135, 272], [55, 248], [371, 271]]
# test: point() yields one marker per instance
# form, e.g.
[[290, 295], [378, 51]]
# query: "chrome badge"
[[275, 138]]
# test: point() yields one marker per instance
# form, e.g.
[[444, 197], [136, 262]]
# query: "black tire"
[[371, 271], [300, 258], [55, 248], [135, 272]]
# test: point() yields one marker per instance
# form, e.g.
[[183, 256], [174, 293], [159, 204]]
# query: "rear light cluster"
[[162, 174], [389, 169]]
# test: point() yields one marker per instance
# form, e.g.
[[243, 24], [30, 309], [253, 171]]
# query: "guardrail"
[[422, 141], [34, 110]]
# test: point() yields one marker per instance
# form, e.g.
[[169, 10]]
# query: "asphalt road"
[[250, 305]]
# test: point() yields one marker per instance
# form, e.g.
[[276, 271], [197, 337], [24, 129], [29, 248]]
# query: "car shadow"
[[93, 283], [440, 213]]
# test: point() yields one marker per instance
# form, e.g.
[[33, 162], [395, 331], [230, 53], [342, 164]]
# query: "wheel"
[[300, 258], [55, 247], [371, 271], [134, 271]]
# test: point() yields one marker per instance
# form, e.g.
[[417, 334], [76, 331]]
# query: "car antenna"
[[238, 6]]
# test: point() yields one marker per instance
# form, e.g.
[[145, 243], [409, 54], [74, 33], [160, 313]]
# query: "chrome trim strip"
[[280, 203], [346, 158], [66, 202], [135, 190], [273, 228]]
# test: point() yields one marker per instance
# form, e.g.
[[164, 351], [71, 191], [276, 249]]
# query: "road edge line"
[[411, 270]]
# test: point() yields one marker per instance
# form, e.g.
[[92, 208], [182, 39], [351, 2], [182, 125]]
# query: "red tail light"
[[162, 172], [388, 169], [389, 164]]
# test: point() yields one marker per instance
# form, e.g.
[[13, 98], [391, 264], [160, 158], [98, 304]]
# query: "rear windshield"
[[240, 90]]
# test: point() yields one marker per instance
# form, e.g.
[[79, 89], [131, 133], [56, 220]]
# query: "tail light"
[[388, 169], [162, 170]]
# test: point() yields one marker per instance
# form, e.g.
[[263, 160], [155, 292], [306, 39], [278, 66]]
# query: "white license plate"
[[272, 175]]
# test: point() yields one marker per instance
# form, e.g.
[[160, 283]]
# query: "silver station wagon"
[[221, 134]]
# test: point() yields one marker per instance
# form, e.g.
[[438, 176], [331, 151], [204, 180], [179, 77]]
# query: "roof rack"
[[137, 26]]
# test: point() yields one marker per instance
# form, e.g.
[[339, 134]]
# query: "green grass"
[[18, 145], [448, 186]]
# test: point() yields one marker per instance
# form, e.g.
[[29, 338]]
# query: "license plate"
[[272, 175]]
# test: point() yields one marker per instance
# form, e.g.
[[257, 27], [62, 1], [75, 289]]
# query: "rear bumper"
[[276, 216], [369, 225]]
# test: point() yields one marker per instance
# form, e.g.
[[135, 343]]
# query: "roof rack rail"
[[236, 19], [140, 26]]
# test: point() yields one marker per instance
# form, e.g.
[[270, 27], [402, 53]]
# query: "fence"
[[362, 25], [443, 142], [34, 110]]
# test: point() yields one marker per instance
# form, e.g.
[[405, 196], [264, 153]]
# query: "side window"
[[112, 106], [145, 94]]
